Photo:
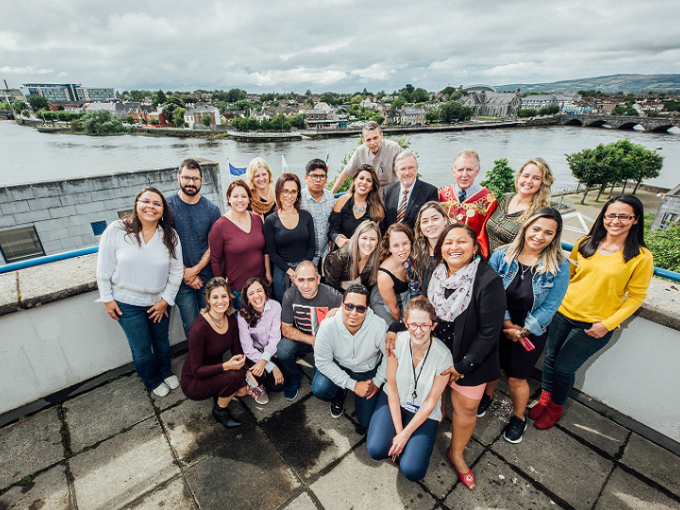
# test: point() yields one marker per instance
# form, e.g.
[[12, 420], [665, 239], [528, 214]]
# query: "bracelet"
[[523, 332]]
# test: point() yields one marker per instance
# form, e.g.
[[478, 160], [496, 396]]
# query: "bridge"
[[656, 124]]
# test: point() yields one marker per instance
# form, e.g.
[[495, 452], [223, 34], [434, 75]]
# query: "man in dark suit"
[[404, 199]]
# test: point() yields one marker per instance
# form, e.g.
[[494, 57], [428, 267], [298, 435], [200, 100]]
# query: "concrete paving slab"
[[625, 492], [175, 495], [307, 365], [567, 468], [302, 502], [491, 425], [193, 432], [653, 462], [497, 486], [534, 386], [123, 468], [594, 428], [107, 410], [360, 482], [176, 395], [277, 402], [309, 438], [441, 476], [29, 446], [47, 491], [245, 474], [8, 293], [43, 284]]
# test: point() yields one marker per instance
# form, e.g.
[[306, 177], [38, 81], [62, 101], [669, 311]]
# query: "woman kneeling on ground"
[[408, 410], [214, 332], [535, 275]]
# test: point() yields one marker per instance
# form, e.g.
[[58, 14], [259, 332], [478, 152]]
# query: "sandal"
[[468, 479]]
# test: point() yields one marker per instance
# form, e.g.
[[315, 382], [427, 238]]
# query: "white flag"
[[284, 165]]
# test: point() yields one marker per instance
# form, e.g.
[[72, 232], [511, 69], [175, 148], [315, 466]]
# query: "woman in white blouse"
[[408, 411], [139, 271]]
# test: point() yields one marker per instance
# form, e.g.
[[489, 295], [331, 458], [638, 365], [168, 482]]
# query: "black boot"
[[223, 416]]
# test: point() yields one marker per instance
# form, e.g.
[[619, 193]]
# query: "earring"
[[162, 218]]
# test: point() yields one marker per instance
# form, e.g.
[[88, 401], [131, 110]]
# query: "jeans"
[[568, 347], [415, 457], [287, 352], [325, 389], [190, 302], [281, 283], [148, 342], [237, 299]]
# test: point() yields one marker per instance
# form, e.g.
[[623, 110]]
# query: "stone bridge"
[[656, 124]]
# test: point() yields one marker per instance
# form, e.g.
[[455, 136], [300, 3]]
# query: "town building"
[[538, 101], [412, 116], [67, 92], [493, 104], [669, 210], [195, 116]]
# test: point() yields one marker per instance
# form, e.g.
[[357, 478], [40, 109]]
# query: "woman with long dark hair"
[[259, 325], [430, 223], [610, 273], [139, 271], [535, 275], [363, 202]]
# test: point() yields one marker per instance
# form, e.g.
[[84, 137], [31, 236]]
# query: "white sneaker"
[[172, 382], [263, 398], [161, 390]]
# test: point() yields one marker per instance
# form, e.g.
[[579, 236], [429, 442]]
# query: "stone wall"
[[62, 210]]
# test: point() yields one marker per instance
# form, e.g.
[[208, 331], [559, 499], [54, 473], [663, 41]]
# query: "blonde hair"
[[552, 256], [353, 249], [542, 197], [420, 251], [253, 166]]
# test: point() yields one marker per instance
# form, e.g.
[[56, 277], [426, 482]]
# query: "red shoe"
[[540, 406], [550, 416], [468, 479]]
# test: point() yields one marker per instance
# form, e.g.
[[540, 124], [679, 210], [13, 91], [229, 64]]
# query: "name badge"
[[411, 407]]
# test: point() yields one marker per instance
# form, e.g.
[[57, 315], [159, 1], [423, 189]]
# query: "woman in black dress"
[[363, 202]]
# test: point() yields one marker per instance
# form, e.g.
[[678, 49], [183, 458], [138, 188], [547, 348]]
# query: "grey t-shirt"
[[383, 162], [193, 223], [307, 314]]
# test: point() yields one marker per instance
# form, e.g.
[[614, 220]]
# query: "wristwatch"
[[523, 332]]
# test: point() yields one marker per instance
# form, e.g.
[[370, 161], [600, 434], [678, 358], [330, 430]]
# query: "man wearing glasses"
[[319, 202], [194, 217], [348, 354]]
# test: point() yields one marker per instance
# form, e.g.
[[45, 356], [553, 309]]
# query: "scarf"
[[461, 281], [261, 207]]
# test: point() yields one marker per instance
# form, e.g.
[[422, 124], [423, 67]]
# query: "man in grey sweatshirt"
[[349, 355]]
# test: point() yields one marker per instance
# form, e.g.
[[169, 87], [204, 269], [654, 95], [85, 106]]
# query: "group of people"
[[399, 289]]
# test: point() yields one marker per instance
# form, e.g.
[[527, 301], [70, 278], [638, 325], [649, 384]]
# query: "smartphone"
[[253, 386], [527, 344]]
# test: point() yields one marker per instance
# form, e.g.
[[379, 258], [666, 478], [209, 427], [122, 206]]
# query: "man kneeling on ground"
[[348, 354]]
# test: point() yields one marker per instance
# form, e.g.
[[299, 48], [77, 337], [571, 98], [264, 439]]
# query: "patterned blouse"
[[502, 227]]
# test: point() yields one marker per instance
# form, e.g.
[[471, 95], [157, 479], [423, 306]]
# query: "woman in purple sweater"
[[259, 326], [237, 245]]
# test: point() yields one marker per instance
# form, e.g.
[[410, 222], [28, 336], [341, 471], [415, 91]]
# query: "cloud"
[[24, 70]]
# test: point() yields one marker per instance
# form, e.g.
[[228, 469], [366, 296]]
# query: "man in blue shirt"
[[319, 202], [194, 217]]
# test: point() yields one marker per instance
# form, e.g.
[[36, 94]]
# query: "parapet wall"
[[62, 211]]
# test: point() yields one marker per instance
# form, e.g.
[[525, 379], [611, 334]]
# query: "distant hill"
[[615, 83]]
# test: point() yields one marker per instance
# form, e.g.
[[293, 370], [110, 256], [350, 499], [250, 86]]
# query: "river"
[[28, 156]]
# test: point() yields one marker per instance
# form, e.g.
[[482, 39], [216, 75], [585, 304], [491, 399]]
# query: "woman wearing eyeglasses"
[[237, 245], [610, 272], [408, 410], [139, 271], [289, 233]]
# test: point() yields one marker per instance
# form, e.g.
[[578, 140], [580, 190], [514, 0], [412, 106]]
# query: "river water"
[[28, 156]]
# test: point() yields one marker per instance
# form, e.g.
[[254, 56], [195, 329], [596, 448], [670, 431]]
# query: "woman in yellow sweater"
[[608, 263]]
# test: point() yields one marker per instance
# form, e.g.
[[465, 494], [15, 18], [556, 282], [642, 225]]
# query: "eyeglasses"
[[317, 177], [359, 308], [291, 193], [414, 327], [622, 217], [186, 178], [146, 201]]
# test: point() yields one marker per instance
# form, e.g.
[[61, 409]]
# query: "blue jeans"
[[415, 457], [148, 342], [237, 299], [281, 283], [325, 389], [190, 302], [568, 347], [287, 352]]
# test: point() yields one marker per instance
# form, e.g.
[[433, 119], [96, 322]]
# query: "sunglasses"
[[359, 308]]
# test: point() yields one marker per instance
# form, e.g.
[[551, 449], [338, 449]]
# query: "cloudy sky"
[[339, 45]]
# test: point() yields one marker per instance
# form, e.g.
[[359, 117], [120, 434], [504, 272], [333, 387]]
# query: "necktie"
[[462, 196], [402, 207]]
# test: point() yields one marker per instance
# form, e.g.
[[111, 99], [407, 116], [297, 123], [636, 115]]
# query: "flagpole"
[[229, 168]]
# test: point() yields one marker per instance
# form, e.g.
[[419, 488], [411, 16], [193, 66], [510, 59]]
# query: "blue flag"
[[236, 171]]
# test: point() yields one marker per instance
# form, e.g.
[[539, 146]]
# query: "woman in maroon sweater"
[[214, 332], [237, 245]]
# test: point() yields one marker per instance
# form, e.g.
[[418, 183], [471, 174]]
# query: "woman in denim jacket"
[[535, 275]]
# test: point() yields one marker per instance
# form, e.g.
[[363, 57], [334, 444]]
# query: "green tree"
[[454, 111], [178, 117], [356, 99], [160, 98], [594, 167], [280, 123], [646, 164], [526, 112], [154, 122], [398, 103], [38, 102], [664, 243], [206, 121], [102, 122], [297, 120], [501, 178], [130, 119], [420, 95], [235, 94], [549, 110], [19, 106], [4, 105]]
